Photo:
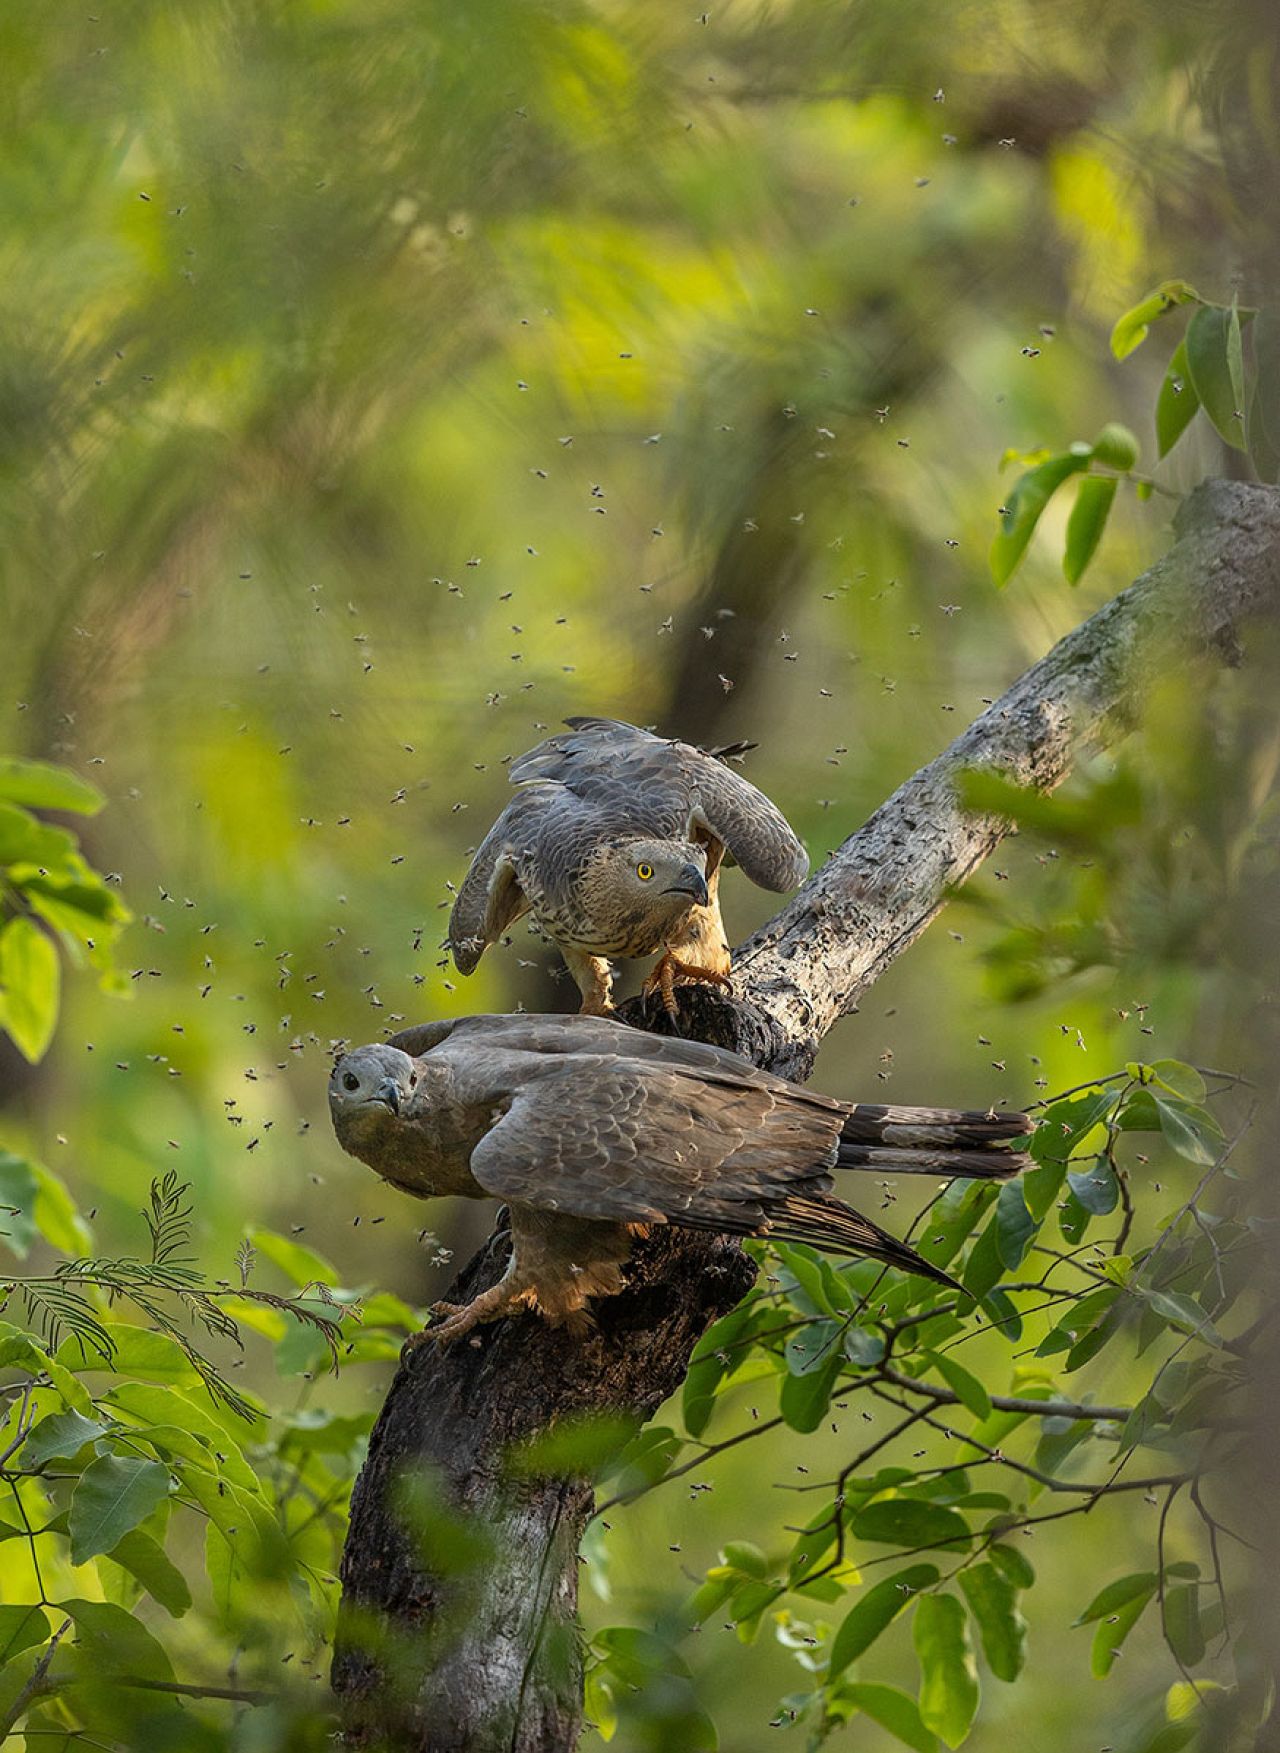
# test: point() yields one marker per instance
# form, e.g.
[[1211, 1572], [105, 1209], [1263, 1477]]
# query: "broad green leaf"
[[1115, 446], [1015, 1225], [159, 1406], [1182, 1080], [111, 1497], [111, 1641], [1085, 525], [46, 787], [804, 1400], [22, 1627], [30, 979], [1191, 1131], [1235, 356], [948, 1674], [966, 1387], [984, 1266], [1096, 1188], [994, 1604], [1112, 1631], [875, 1610], [812, 1347], [1182, 1623], [1012, 1565], [908, 1521], [147, 1560], [1118, 1594], [24, 840], [894, 1711], [1031, 493], [19, 1351], [1132, 328], [1065, 1126], [1177, 402], [136, 1351], [598, 1704], [40, 1205], [1182, 1310], [1208, 363], [62, 1434], [716, 1355]]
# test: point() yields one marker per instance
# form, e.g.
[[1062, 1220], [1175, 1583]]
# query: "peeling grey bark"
[[484, 1658]]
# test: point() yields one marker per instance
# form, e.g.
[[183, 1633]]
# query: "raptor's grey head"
[[369, 1084], [657, 879]]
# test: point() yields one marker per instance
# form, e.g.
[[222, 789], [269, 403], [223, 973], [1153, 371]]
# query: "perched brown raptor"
[[614, 843], [588, 1129]]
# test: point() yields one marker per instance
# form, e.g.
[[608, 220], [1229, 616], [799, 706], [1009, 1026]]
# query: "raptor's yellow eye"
[[644, 872]]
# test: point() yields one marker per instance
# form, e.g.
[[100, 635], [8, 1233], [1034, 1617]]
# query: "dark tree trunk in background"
[[435, 1654]]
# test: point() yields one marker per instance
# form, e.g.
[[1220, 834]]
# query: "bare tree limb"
[[434, 1653]]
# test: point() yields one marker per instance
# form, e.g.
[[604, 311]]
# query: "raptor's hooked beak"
[[690, 881], [388, 1091]]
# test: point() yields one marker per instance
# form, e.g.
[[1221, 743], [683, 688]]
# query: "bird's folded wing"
[[647, 1144], [491, 898]]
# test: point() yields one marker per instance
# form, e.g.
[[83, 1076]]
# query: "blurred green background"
[[381, 383]]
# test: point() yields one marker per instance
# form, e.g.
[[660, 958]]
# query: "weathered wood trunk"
[[435, 1653]]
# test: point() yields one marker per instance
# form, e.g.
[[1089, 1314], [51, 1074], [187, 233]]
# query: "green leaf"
[[1177, 402], [19, 1351], [1116, 446], [60, 1434], [147, 1560], [874, 1611], [812, 1347], [948, 1674], [1182, 1623], [1012, 1565], [994, 1604], [136, 1351], [22, 1627], [804, 1400], [894, 1711], [966, 1387], [39, 1205], [110, 1641], [1181, 1080], [46, 787], [1208, 363], [1132, 328], [1097, 1188], [1112, 1631], [1191, 1131], [1015, 1225], [1118, 1594], [908, 1521], [113, 1496], [1235, 356], [24, 840], [1182, 1311], [1031, 493], [984, 1266], [1085, 525], [159, 1406], [30, 978]]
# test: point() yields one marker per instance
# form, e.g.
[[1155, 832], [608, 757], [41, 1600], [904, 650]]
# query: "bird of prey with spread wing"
[[614, 843], [590, 1130]]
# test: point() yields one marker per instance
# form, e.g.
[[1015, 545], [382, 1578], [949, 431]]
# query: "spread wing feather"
[[679, 783]]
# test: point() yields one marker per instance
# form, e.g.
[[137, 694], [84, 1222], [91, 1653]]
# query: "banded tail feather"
[[934, 1141]]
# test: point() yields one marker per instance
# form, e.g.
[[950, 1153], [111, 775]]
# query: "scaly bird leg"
[[490, 1305], [594, 980], [663, 976]]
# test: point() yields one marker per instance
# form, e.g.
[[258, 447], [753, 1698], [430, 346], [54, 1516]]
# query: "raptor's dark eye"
[[351, 1081], [644, 872]]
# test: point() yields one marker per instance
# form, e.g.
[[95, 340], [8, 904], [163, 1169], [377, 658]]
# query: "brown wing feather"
[[491, 898]]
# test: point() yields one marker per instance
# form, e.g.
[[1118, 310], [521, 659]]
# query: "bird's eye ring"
[[644, 872], [351, 1081]]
